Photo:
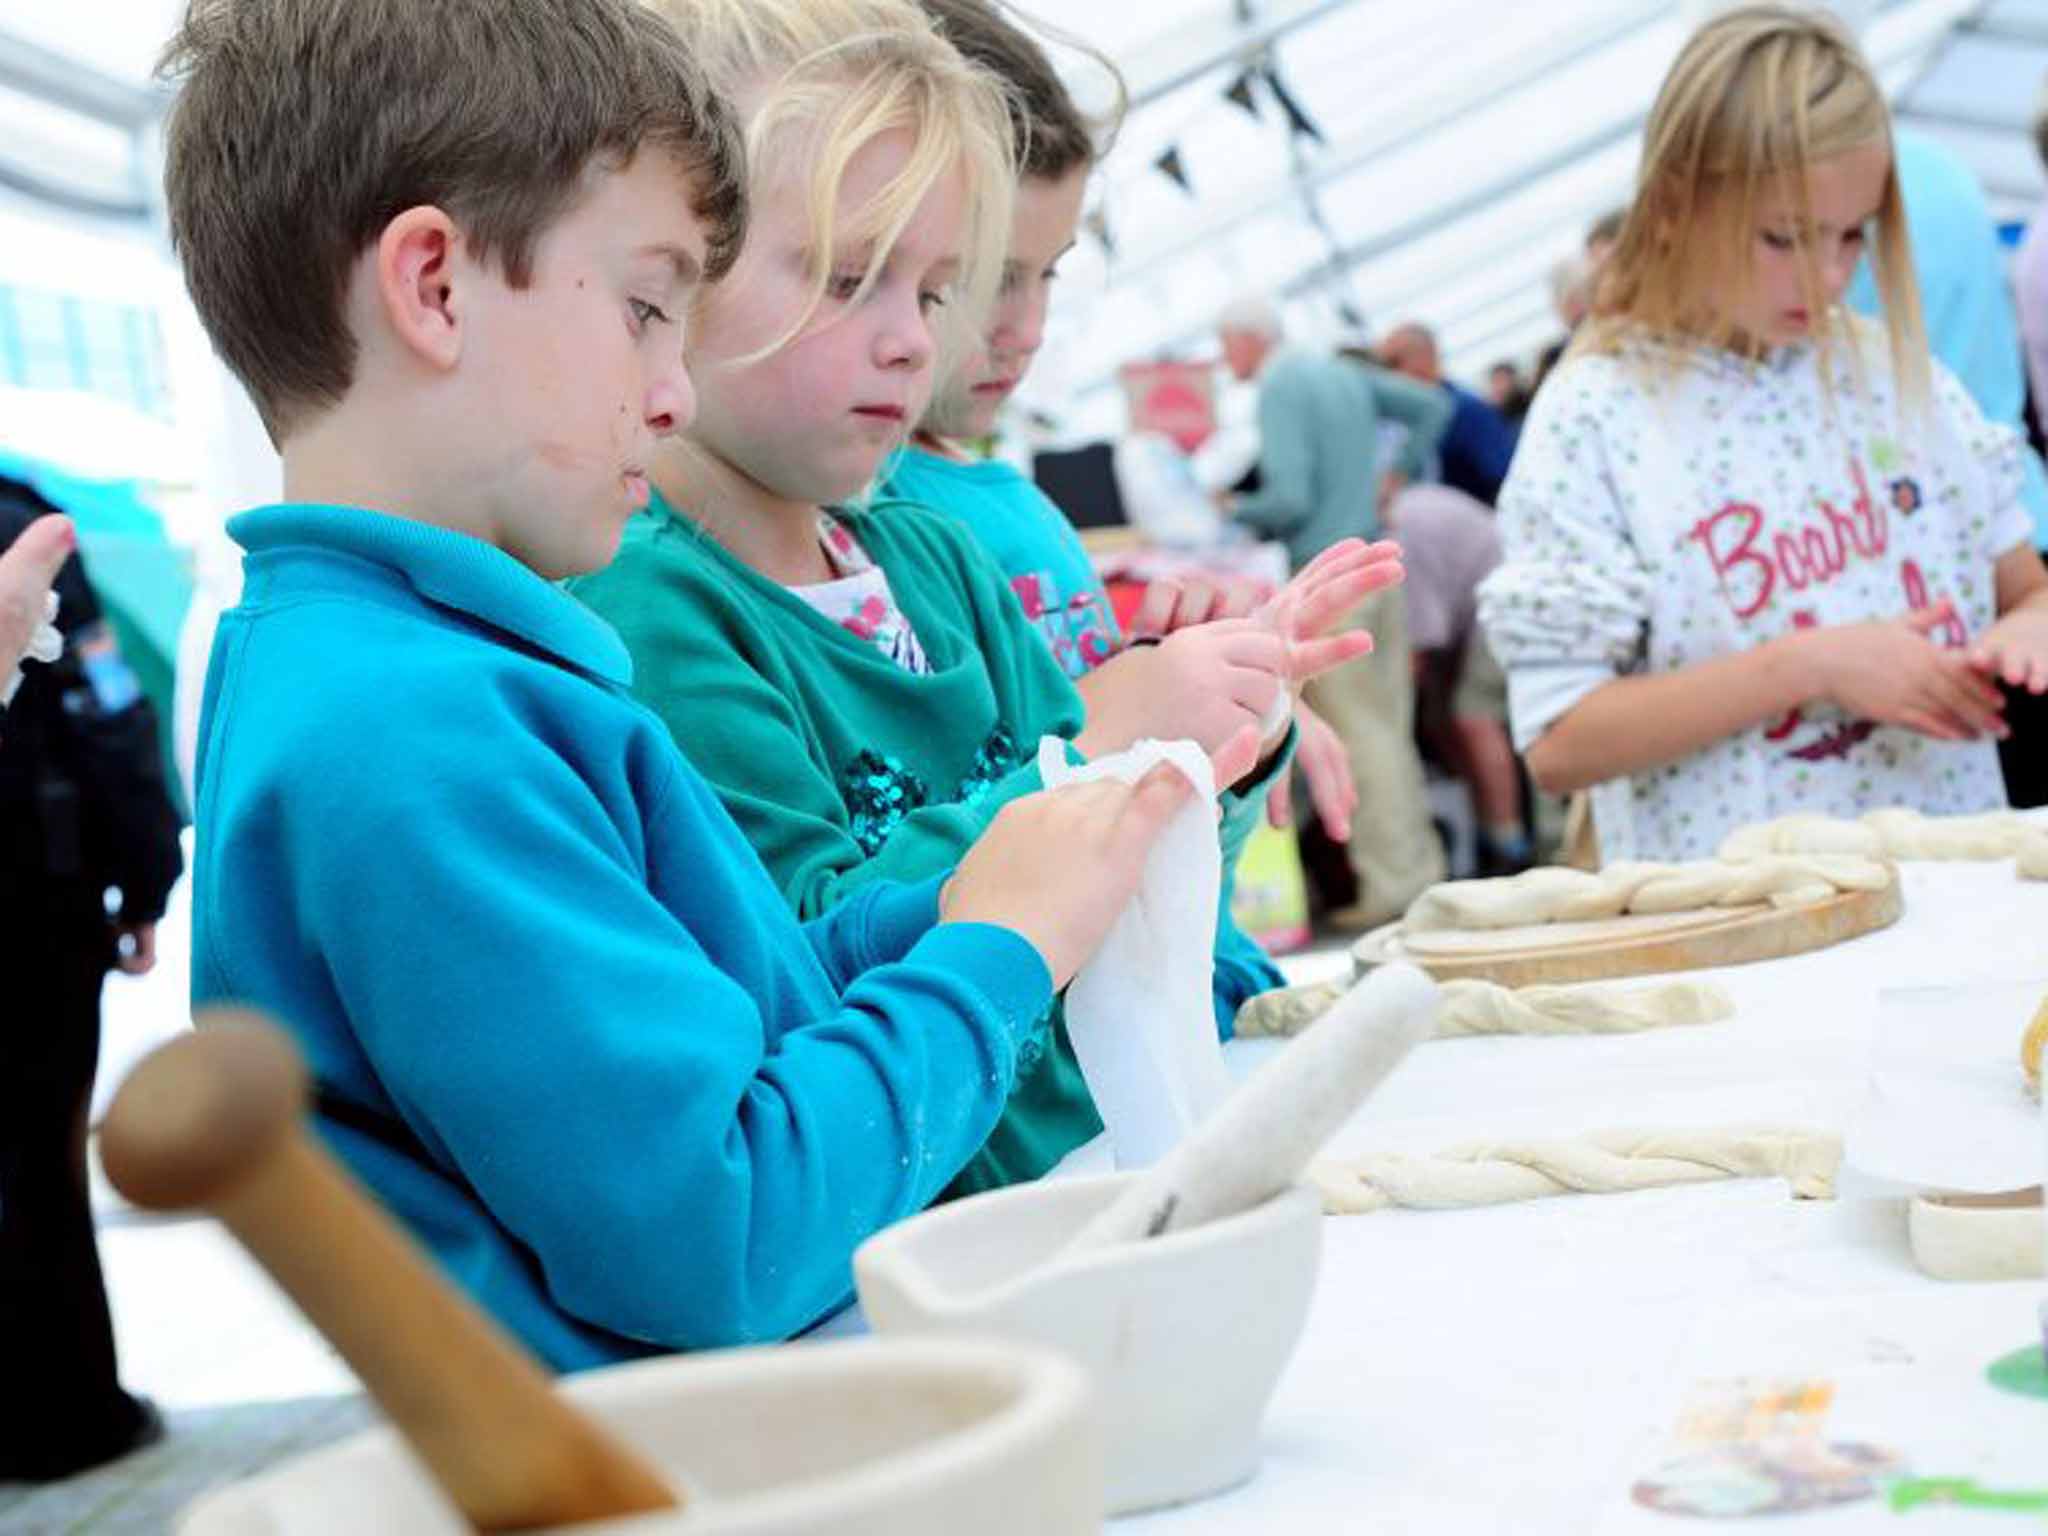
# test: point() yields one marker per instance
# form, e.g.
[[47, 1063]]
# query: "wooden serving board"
[[1557, 953]]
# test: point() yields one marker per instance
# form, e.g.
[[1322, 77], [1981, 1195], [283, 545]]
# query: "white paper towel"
[[1139, 1013], [1944, 1107]]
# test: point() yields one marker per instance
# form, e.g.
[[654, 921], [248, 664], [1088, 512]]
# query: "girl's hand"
[[2015, 650], [1321, 596], [1891, 672], [1202, 684], [1320, 754], [1058, 867], [1179, 602]]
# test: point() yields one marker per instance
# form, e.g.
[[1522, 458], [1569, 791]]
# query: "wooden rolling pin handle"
[[214, 1119]]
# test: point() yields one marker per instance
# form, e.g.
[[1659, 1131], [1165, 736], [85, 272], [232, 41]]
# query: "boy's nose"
[[671, 401]]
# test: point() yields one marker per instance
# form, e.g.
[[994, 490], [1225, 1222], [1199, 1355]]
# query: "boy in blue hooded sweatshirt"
[[558, 1016]]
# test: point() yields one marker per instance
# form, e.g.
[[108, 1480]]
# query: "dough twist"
[[1601, 1162], [1485, 1008], [1893, 833], [1552, 895]]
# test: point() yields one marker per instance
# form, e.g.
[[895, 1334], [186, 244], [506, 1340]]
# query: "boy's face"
[[811, 422], [581, 372], [1047, 214]]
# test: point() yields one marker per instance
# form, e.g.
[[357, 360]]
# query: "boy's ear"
[[418, 259]]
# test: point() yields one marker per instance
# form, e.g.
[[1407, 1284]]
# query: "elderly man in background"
[[1319, 431], [1478, 445]]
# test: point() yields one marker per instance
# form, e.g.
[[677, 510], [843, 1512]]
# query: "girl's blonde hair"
[[815, 81], [1754, 100]]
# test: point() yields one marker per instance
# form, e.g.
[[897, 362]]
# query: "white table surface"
[[1517, 1368]]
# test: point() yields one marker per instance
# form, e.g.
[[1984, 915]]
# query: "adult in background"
[[1319, 479], [88, 854], [1478, 445], [1449, 544], [1508, 391]]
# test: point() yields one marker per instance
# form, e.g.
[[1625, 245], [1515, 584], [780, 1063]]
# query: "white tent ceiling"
[[1465, 145]]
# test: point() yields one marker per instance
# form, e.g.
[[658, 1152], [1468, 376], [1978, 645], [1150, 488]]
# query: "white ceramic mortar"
[[859, 1438], [1185, 1334]]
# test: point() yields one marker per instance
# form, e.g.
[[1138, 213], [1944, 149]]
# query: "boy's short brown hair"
[[1051, 135], [304, 126]]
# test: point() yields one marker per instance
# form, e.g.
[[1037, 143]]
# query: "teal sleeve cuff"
[[997, 961]]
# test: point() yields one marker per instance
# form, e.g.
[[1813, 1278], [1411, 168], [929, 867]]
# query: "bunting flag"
[[1240, 93], [1096, 222], [1298, 121], [1170, 164]]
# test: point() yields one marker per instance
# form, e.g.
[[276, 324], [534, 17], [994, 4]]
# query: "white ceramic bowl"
[[1186, 1334], [864, 1437], [1979, 1237]]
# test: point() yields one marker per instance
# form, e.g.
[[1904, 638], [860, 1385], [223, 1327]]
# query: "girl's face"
[[1845, 192], [810, 423], [1047, 213]]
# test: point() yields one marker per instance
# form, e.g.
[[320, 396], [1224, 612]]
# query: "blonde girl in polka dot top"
[[1762, 556]]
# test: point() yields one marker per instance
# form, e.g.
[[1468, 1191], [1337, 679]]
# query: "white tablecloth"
[[1517, 1368]]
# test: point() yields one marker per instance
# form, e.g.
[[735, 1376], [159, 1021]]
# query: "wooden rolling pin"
[[214, 1119], [1264, 1134]]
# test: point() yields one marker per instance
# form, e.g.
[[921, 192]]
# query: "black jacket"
[[83, 808]]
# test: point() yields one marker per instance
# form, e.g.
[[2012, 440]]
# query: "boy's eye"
[[645, 313], [931, 299], [843, 285], [1777, 240]]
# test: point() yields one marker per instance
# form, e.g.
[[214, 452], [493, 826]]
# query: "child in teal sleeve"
[[1028, 537], [859, 685], [558, 1016]]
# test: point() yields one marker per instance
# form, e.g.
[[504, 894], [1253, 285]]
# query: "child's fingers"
[[1339, 553], [1965, 710], [1334, 600], [1197, 603], [1155, 610], [1335, 796], [1983, 692], [1280, 803], [1312, 658], [1928, 725], [27, 570], [1926, 620]]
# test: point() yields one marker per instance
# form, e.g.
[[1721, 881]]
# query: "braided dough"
[[1896, 833], [1601, 1162], [1485, 1008], [1551, 895]]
